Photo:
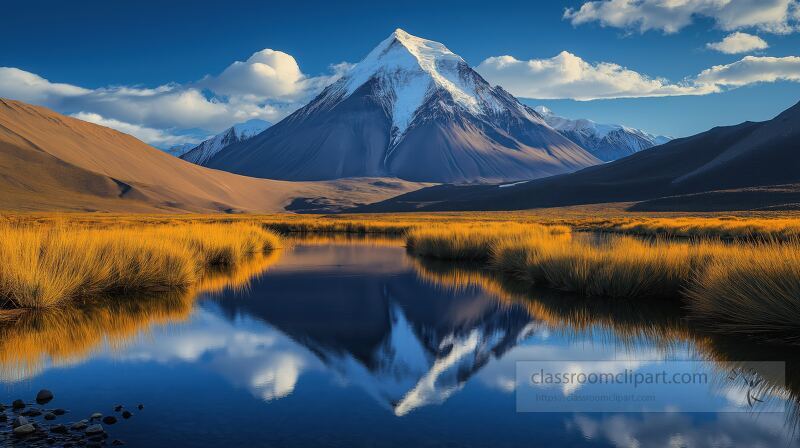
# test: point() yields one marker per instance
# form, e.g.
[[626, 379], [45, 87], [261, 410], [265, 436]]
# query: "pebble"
[[24, 429], [44, 396], [58, 429], [96, 416], [49, 416], [79, 425], [95, 429], [32, 412], [59, 411], [117, 442], [18, 404], [126, 414], [140, 407], [117, 408], [4, 418], [110, 420]]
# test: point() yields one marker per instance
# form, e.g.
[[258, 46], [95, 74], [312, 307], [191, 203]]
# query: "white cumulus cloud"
[[268, 86], [738, 42], [670, 16], [569, 76]]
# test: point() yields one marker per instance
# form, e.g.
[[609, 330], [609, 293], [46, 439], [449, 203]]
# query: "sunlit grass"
[[749, 287], [46, 266]]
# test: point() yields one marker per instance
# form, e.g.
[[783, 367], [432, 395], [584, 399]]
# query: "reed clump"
[[474, 241], [753, 289], [48, 266], [745, 287]]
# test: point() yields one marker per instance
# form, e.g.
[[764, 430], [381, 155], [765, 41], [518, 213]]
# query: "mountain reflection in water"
[[424, 340]]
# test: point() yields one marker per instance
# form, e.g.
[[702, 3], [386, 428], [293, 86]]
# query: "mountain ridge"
[[754, 162], [411, 109]]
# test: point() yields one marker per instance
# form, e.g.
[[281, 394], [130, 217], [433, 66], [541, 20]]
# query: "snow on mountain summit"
[[605, 141], [409, 69]]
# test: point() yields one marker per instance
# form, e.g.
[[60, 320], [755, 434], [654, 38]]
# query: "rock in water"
[[24, 429], [44, 396], [95, 429], [110, 420], [126, 414], [19, 421], [49, 416], [59, 411], [96, 416], [58, 429], [140, 407], [18, 404]]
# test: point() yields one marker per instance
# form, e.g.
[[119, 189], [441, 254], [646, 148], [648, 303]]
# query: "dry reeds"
[[46, 266]]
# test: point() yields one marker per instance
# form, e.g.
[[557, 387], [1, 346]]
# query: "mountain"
[[179, 150], [607, 142], [410, 109], [741, 167], [49, 161], [201, 153]]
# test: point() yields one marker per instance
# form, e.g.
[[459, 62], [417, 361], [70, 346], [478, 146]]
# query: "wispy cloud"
[[670, 16]]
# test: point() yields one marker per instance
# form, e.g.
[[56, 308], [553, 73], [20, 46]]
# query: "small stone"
[[96, 416], [95, 429], [58, 429], [3, 418], [24, 429], [79, 425], [140, 406], [18, 404], [117, 408], [126, 414], [59, 411], [32, 412], [117, 442], [109, 420], [49, 416], [50, 441], [44, 396], [19, 421]]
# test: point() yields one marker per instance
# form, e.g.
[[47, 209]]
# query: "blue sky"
[[109, 50]]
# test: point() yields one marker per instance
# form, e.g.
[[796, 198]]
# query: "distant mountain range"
[[607, 142], [49, 161], [410, 109], [200, 154], [746, 166]]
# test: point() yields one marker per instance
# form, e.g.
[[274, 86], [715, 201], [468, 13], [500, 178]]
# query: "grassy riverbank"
[[46, 266], [744, 287]]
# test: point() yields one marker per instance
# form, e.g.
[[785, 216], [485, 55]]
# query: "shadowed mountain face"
[[741, 163], [414, 110]]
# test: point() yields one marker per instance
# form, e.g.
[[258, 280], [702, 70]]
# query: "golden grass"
[[753, 289], [473, 241], [46, 266], [750, 287]]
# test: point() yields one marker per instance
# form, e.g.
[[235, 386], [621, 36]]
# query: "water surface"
[[358, 344]]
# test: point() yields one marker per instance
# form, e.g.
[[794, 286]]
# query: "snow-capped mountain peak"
[[412, 109], [605, 141], [409, 69], [234, 134]]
